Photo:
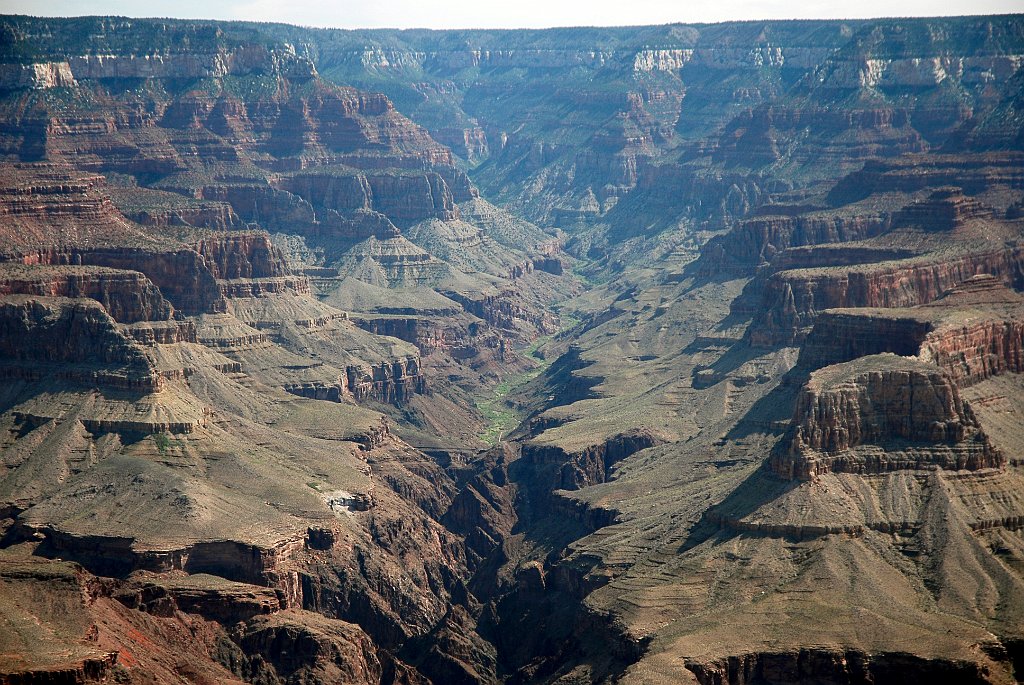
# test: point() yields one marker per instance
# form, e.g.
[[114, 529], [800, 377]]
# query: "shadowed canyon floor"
[[674, 354]]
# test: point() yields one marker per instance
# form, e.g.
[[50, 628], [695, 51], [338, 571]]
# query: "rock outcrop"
[[128, 296], [841, 335], [182, 275], [242, 255], [757, 241], [972, 171], [209, 596], [187, 276], [388, 382], [973, 352], [404, 197], [589, 465], [72, 339], [882, 413], [944, 210], [972, 333], [49, 205], [424, 332], [314, 649], [502, 310], [251, 59], [848, 666], [792, 299]]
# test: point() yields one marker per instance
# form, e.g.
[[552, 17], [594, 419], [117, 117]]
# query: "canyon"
[[660, 354]]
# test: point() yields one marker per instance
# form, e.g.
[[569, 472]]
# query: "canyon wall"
[[792, 299], [909, 411], [72, 338]]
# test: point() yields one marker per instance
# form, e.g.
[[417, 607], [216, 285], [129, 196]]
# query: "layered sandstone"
[[233, 560], [792, 299], [391, 382], [209, 596], [944, 210], [882, 413], [972, 333], [831, 665], [72, 339], [590, 465], [166, 210], [840, 136], [393, 262], [242, 255], [974, 351], [181, 275], [45, 205], [757, 241], [424, 332], [841, 335], [502, 310], [187, 276], [973, 172], [128, 296], [199, 144], [402, 196], [243, 60], [311, 648]]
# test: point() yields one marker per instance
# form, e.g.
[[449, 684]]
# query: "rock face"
[[236, 602], [181, 275], [502, 310], [882, 413], [850, 667], [792, 299], [244, 61], [590, 465], [424, 332], [391, 383], [971, 172], [974, 352], [35, 198], [40, 75], [299, 652], [841, 335], [320, 132], [200, 277], [167, 211], [242, 255], [128, 296], [226, 559], [972, 333], [76, 339], [404, 198], [944, 210], [757, 241], [187, 276]]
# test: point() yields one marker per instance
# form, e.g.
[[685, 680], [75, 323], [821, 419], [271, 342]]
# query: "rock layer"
[[792, 299], [128, 296], [972, 333], [74, 339], [882, 413]]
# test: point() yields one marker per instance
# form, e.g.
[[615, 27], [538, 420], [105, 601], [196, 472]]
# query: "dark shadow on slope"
[[773, 412], [559, 386], [762, 487], [736, 356]]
